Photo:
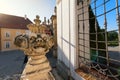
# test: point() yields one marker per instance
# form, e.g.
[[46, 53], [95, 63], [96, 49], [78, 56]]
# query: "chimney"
[[25, 16], [55, 10], [48, 21], [44, 20]]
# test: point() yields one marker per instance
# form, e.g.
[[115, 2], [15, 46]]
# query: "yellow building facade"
[[8, 36], [10, 27]]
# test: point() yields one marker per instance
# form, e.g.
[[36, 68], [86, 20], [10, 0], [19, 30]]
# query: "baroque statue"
[[36, 44]]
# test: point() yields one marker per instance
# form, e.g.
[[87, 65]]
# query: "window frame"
[[7, 44], [7, 34]]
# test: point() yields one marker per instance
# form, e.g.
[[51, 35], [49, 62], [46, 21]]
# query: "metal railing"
[[96, 41]]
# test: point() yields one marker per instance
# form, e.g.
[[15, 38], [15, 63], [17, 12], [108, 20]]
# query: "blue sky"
[[46, 8], [29, 7], [111, 16]]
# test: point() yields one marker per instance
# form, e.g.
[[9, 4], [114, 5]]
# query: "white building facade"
[[67, 35], [82, 39]]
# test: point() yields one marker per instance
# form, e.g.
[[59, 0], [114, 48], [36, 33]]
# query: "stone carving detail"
[[36, 45]]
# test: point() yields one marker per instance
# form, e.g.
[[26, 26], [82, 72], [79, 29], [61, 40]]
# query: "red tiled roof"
[[14, 22]]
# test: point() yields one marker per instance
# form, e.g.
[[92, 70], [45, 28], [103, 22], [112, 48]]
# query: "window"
[[7, 34], [99, 38], [7, 44]]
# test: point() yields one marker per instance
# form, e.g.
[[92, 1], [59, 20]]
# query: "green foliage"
[[113, 44], [93, 55], [113, 36], [100, 37]]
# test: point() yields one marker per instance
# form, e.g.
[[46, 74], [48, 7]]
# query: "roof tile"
[[14, 22]]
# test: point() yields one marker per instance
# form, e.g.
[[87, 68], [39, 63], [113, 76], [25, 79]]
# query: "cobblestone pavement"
[[11, 64]]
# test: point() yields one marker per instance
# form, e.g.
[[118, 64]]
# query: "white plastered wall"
[[66, 35]]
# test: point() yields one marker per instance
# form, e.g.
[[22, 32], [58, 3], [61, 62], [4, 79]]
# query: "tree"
[[113, 36], [100, 37]]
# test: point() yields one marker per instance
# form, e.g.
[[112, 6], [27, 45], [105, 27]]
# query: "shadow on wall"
[[66, 59], [62, 69]]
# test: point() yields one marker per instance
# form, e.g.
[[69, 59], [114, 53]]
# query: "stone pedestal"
[[37, 68], [36, 45]]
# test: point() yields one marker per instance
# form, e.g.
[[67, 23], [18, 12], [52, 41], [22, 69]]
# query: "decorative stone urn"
[[36, 45]]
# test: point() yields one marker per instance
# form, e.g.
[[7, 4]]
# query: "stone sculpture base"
[[37, 68], [36, 45]]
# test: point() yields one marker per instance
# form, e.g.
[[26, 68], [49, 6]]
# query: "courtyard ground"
[[11, 64]]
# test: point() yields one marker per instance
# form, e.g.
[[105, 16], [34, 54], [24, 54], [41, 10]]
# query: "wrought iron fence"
[[99, 38]]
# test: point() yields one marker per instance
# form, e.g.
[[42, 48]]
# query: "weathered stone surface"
[[36, 45]]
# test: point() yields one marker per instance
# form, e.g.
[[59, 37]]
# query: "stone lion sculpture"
[[35, 45]]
